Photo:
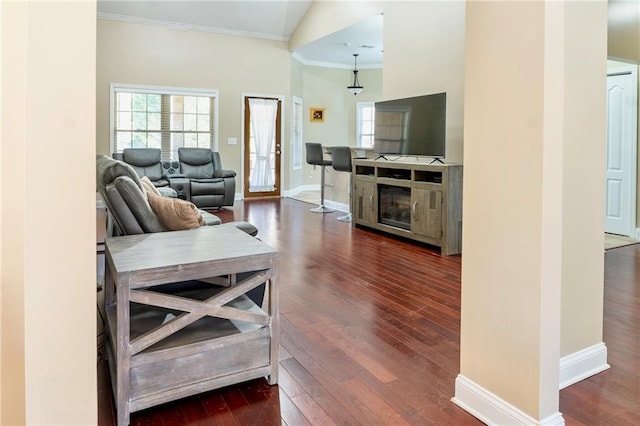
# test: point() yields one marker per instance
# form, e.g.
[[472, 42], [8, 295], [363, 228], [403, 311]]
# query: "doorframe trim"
[[633, 70], [280, 98]]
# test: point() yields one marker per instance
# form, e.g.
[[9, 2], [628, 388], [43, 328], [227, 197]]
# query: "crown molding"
[[298, 57], [177, 26]]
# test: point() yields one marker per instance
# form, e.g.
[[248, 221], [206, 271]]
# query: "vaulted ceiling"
[[267, 19]]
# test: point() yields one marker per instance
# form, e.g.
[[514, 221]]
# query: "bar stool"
[[341, 162], [315, 157]]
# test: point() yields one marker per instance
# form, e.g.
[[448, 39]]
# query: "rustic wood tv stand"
[[412, 199]]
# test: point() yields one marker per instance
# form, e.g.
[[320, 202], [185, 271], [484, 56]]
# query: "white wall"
[[47, 258]]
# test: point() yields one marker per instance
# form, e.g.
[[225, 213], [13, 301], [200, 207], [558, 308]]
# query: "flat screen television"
[[411, 126]]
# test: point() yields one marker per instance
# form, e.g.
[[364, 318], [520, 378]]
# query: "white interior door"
[[620, 189]]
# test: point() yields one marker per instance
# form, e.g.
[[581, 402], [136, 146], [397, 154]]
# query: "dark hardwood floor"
[[370, 335]]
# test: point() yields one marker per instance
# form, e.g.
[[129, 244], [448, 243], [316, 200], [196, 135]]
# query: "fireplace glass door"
[[394, 206]]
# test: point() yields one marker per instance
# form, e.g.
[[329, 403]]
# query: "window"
[[365, 124], [164, 118], [296, 136]]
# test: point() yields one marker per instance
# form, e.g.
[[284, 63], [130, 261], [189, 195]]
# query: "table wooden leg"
[[123, 355], [275, 324]]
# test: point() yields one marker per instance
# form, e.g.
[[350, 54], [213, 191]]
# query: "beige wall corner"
[[48, 260]]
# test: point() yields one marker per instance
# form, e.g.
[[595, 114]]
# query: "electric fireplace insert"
[[394, 206]]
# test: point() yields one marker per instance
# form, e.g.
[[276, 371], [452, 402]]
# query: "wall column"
[[47, 213], [526, 110]]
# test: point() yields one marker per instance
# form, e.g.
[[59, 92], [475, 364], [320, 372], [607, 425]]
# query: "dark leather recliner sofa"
[[147, 162], [197, 176]]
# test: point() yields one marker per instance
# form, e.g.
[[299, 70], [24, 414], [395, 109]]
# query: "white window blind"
[[365, 124], [165, 118], [296, 137]]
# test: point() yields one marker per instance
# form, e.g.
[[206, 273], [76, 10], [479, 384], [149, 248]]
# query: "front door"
[[620, 186], [262, 147]]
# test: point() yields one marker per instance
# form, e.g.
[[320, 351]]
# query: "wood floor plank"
[[264, 403], [375, 402], [291, 414], [370, 334], [321, 389], [218, 411], [289, 384], [312, 410]]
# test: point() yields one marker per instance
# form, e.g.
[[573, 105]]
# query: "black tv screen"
[[411, 126]]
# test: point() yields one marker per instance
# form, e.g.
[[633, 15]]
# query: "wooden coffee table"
[[167, 341]]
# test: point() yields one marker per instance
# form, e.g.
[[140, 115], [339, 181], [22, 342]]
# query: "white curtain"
[[263, 123]]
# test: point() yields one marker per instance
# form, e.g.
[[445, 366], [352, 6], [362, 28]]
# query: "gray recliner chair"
[[127, 205], [210, 185], [147, 162]]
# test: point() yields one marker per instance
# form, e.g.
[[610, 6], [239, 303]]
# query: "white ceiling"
[[268, 19], [364, 38]]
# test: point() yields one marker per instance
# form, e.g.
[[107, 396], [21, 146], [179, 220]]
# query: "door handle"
[[371, 201], [413, 209]]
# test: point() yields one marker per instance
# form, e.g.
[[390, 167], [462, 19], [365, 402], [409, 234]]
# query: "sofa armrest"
[[181, 185], [224, 174], [229, 190]]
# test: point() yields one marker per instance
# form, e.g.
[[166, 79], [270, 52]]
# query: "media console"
[[410, 199]]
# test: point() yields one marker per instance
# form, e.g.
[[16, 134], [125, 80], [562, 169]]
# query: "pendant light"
[[355, 88]]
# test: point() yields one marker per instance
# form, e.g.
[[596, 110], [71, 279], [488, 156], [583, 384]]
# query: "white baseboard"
[[582, 364], [300, 189], [331, 204], [493, 410], [292, 192], [239, 196], [637, 236], [337, 206]]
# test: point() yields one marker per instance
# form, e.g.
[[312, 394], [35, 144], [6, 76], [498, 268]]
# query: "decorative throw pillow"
[[148, 186], [174, 213]]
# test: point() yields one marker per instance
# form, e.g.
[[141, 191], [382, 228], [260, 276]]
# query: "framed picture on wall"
[[316, 115]]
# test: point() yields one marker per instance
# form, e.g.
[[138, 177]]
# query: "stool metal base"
[[322, 209], [345, 218]]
